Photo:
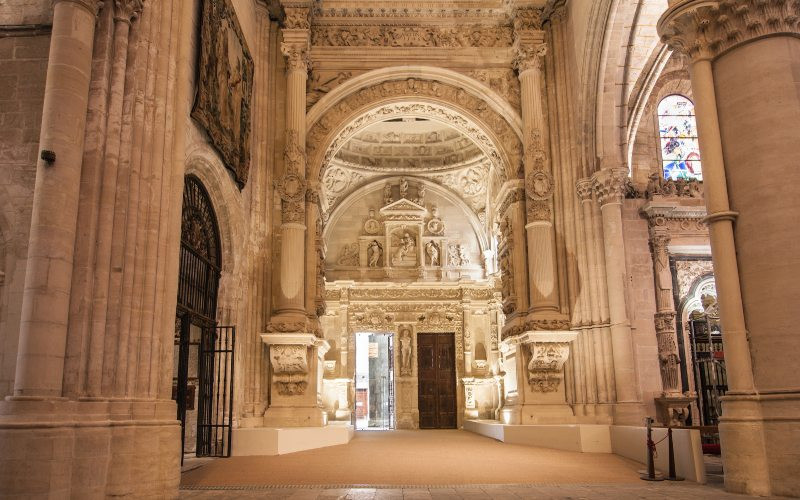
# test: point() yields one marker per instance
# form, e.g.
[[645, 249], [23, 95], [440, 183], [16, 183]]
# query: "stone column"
[[672, 404], [296, 349], [45, 302], [292, 185], [609, 189], [749, 149], [529, 62], [511, 254]]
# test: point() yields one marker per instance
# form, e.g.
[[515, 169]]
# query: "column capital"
[[609, 185], [583, 188], [704, 29], [659, 239], [127, 10], [296, 56], [93, 6], [528, 56]]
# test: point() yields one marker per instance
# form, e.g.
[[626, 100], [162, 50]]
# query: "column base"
[[295, 416], [89, 449], [760, 438]]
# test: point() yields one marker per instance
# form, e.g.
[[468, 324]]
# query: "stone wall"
[[23, 65]]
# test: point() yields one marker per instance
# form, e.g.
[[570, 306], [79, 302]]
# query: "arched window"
[[680, 151]]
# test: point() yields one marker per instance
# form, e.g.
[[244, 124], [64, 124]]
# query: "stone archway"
[[414, 96]]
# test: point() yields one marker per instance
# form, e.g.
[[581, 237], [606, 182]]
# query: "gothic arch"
[[413, 96]]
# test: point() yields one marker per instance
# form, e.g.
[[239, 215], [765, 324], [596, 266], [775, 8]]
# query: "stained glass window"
[[680, 151]]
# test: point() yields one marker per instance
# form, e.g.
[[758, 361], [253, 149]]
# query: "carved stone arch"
[[371, 78], [433, 99], [377, 183], [226, 200]]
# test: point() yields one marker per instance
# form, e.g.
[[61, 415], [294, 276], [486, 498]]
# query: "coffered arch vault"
[[395, 96]]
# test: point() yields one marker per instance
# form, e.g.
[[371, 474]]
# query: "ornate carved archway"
[[444, 102]]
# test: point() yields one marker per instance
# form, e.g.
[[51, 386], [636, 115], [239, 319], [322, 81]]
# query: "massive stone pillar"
[[609, 188], [45, 303], [296, 348], [530, 50], [740, 52]]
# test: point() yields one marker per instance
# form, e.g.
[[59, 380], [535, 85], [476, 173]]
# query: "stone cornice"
[[666, 210], [704, 29]]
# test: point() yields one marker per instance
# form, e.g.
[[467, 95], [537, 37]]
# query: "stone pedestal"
[[296, 368], [539, 395]]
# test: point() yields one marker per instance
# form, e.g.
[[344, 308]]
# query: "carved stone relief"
[[546, 364], [289, 368], [412, 36]]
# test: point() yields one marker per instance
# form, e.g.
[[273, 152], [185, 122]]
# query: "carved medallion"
[[539, 185]]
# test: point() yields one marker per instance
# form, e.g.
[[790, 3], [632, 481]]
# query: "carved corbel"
[[546, 364], [289, 368]]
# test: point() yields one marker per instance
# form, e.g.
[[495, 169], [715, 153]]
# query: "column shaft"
[[45, 303]]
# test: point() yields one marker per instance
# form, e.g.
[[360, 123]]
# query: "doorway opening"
[[374, 381], [436, 365], [202, 382]]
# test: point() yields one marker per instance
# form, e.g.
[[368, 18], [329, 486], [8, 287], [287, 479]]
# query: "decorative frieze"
[[657, 185], [297, 18], [527, 19], [705, 29], [385, 36]]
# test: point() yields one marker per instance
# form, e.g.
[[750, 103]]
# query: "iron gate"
[[215, 407]]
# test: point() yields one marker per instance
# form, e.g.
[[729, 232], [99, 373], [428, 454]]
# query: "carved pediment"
[[403, 209]]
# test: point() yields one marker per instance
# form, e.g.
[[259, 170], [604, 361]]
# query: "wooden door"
[[436, 363]]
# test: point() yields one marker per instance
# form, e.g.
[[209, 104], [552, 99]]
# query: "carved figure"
[[432, 249], [421, 194], [374, 252], [387, 194], [405, 352], [403, 188], [349, 255], [462, 255], [406, 247]]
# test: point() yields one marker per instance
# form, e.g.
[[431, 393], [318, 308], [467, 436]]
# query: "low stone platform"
[[283, 440], [625, 441]]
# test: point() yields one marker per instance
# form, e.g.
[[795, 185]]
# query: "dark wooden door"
[[436, 364]]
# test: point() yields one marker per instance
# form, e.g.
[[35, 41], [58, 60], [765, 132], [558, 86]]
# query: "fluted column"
[[290, 302], [45, 302], [609, 189], [749, 149], [530, 50]]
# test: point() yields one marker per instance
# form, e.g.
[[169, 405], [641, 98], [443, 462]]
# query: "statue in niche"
[[421, 194], [387, 194], [405, 352], [404, 249], [403, 188], [462, 255], [710, 311], [374, 252], [432, 249]]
